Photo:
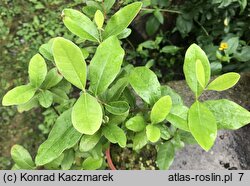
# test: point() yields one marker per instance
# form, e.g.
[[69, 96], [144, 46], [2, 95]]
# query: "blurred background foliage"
[[160, 36]]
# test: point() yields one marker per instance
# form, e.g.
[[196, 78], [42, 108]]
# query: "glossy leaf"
[[193, 54], [62, 136], [161, 109], [145, 84], [178, 117], [70, 62], [121, 19], [99, 19], [22, 157], [115, 135], [165, 155], [153, 133], [136, 123], [80, 25], [140, 140], [37, 70], [224, 81], [45, 98], [200, 73], [202, 125], [105, 65], [92, 164], [18, 95], [117, 89], [88, 142], [87, 114], [53, 78], [229, 115], [117, 107]]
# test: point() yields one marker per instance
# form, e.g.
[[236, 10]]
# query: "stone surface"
[[232, 148]]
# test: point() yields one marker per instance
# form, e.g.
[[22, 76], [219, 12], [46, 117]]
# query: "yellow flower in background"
[[223, 46]]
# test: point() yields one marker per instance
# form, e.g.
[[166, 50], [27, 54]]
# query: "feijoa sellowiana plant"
[[117, 104]]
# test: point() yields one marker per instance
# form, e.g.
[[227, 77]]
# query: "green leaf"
[[52, 79], [125, 33], [136, 123], [62, 136], [80, 25], [145, 84], [165, 155], [37, 70], [117, 119], [176, 98], [159, 16], [99, 19], [88, 142], [46, 50], [117, 107], [121, 19], [140, 140], [108, 4], [18, 95], [22, 157], [161, 109], [202, 125], [59, 95], [170, 49], [224, 81], [105, 65], [193, 54], [115, 135], [178, 117], [92, 164], [152, 25], [114, 93], [70, 62], [200, 74], [228, 114], [68, 160], [153, 133], [45, 98], [87, 114], [28, 105], [55, 164]]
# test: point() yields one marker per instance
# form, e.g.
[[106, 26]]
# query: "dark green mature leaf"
[[178, 117], [117, 107], [45, 98], [152, 25], [18, 95], [88, 142], [87, 114], [165, 155], [115, 134], [140, 140], [121, 19], [37, 70], [228, 114], [161, 109], [153, 133], [62, 136], [170, 49], [202, 125], [22, 157], [224, 81], [80, 25], [70, 62], [136, 123], [193, 54], [145, 84], [53, 78], [105, 65], [159, 16], [92, 164]]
